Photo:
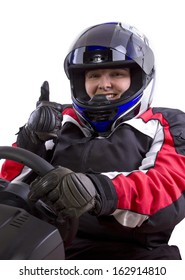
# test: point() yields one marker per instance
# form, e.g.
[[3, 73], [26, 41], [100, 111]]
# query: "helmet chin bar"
[[100, 112], [100, 117], [99, 100]]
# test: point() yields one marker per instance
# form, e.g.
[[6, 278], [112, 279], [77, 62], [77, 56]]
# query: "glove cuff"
[[28, 140], [107, 196]]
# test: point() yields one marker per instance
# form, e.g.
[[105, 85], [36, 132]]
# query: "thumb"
[[44, 92]]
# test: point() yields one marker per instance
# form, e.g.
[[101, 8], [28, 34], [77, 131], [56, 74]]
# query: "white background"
[[35, 36]]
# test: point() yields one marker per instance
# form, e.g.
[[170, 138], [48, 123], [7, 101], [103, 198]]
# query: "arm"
[[154, 192], [43, 125]]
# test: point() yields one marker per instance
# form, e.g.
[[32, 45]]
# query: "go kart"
[[30, 231]]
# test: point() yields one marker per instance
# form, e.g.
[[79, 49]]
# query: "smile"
[[112, 96]]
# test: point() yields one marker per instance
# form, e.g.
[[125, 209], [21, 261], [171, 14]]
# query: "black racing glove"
[[72, 194], [43, 123]]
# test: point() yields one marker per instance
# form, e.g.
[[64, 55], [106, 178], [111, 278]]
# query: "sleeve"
[[11, 169], [153, 195]]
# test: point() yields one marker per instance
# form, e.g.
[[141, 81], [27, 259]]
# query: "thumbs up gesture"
[[46, 119], [44, 98]]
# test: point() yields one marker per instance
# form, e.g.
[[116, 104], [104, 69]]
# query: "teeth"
[[110, 96]]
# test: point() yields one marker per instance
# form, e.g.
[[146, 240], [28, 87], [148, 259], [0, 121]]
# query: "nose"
[[104, 83]]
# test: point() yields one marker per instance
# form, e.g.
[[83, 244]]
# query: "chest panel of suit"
[[121, 151]]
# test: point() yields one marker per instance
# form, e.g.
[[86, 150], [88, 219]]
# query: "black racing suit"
[[144, 160]]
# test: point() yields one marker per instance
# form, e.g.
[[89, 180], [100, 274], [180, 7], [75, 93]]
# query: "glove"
[[43, 123], [69, 194]]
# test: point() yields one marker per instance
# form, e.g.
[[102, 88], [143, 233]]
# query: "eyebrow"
[[112, 69]]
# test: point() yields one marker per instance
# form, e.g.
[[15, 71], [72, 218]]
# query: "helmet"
[[110, 45]]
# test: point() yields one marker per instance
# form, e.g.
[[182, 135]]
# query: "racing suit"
[[144, 160]]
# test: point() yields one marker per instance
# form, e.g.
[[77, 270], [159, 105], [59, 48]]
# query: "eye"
[[120, 73], [117, 74], [92, 75]]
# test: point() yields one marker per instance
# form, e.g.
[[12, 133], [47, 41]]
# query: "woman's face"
[[111, 82]]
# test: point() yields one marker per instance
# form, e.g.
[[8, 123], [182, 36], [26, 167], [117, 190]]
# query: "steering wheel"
[[68, 226], [33, 161]]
